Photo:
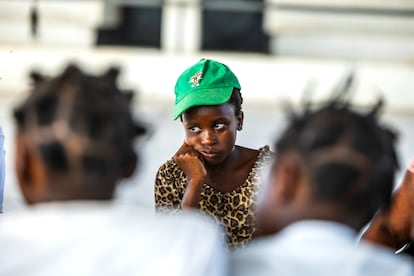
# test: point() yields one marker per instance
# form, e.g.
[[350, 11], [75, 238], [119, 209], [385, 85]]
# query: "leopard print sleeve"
[[170, 182]]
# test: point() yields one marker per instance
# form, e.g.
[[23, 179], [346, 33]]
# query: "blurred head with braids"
[[75, 136], [334, 168], [75, 141], [334, 162]]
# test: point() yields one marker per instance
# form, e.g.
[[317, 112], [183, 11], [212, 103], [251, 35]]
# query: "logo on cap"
[[195, 80]]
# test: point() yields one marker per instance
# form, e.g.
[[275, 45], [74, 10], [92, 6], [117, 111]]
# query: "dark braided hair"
[[236, 99], [81, 123], [350, 157]]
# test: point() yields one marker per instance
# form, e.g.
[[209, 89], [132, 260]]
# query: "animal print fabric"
[[233, 210]]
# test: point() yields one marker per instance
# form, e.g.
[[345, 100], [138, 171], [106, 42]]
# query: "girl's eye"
[[219, 126], [194, 129]]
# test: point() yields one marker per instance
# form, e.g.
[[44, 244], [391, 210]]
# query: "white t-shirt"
[[90, 238], [317, 248]]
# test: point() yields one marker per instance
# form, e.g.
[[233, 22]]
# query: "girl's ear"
[[240, 118], [30, 171]]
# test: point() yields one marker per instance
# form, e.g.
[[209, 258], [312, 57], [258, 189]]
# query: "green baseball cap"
[[207, 82]]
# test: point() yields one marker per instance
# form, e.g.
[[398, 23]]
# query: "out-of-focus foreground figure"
[[334, 168], [75, 140], [394, 227]]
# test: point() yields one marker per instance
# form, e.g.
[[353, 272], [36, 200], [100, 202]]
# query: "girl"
[[209, 171]]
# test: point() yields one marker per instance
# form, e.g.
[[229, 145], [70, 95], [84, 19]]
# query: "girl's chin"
[[213, 161]]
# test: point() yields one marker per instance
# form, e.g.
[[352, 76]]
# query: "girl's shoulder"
[[262, 153], [256, 159], [264, 157], [265, 153]]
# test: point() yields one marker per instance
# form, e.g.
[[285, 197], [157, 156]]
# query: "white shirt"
[[317, 248], [103, 239]]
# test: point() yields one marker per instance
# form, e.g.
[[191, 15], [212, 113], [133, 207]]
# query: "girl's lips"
[[209, 154]]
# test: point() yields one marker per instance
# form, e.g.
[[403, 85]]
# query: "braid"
[[350, 156], [81, 123], [236, 99]]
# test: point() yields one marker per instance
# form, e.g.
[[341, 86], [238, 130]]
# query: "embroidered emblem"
[[195, 80]]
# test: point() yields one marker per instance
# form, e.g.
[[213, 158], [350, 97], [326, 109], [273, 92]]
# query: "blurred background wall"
[[277, 48]]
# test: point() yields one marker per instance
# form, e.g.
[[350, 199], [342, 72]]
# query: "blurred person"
[[394, 227], [209, 171], [74, 143], [2, 169], [334, 167]]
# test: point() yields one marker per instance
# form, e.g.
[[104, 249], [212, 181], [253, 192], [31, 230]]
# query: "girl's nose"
[[209, 138]]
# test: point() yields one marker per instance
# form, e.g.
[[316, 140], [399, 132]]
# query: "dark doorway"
[[240, 30], [139, 26]]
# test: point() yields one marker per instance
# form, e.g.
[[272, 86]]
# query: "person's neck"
[[322, 211], [227, 163]]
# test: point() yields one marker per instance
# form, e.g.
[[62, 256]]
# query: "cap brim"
[[200, 97]]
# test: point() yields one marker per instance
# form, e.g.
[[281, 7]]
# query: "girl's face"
[[212, 131]]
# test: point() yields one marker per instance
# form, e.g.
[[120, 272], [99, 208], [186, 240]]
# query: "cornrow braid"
[[350, 156], [236, 99], [81, 123]]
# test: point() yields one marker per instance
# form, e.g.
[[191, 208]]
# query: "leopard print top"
[[233, 210]]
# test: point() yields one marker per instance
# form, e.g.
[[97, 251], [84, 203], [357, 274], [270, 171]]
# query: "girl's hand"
[[191, 162]]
